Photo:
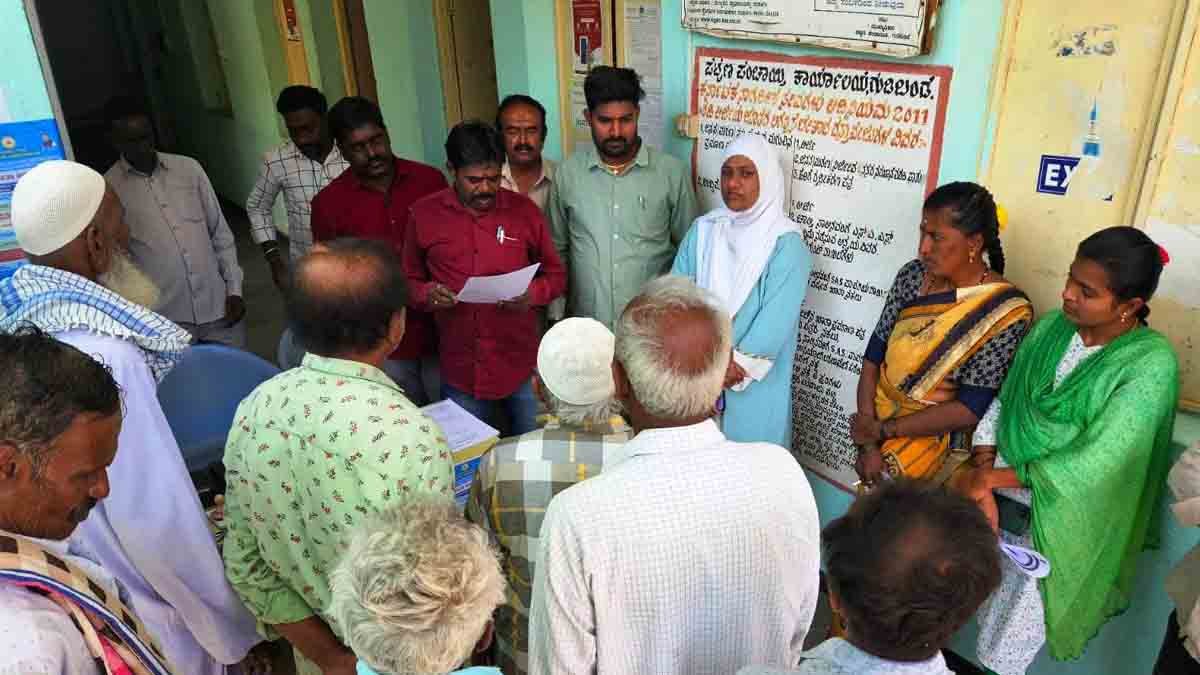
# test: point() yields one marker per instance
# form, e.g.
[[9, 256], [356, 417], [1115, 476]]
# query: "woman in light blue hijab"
[[753, 258]]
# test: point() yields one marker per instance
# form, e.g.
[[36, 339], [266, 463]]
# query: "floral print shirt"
[[313, 453]]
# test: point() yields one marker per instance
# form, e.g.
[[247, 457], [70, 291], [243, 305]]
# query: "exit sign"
[[1054, 176]]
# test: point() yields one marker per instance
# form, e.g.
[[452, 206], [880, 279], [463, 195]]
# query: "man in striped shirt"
[[520, 475], [299, 169]]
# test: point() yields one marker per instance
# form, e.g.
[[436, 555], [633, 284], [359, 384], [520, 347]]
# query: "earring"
[[971, 257], [1124, 318]]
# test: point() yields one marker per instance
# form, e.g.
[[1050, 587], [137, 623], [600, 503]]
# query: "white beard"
[[127, 280]]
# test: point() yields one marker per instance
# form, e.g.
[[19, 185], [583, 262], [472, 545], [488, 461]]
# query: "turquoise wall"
[[526, 58], [21, 82], [967, 40], [405, 56]]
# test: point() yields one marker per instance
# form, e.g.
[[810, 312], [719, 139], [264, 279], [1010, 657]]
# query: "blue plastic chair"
[[201, 394]]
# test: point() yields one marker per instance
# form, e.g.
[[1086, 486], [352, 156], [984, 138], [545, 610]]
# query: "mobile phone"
[[1015, 517]]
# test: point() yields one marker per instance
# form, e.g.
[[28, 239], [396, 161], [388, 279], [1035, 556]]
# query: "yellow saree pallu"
[[932, 337]]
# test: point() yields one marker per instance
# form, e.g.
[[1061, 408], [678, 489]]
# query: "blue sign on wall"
[[23, 145], [1054, 177]]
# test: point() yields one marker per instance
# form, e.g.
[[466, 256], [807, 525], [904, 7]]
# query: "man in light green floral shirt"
[[316, 450]]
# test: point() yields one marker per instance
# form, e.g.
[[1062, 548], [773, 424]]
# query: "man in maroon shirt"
[[371, 201], [476, 229]]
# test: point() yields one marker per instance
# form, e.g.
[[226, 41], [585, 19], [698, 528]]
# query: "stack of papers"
[[469, 439]]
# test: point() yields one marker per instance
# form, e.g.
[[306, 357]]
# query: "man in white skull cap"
[[151, 533], [517, 478]]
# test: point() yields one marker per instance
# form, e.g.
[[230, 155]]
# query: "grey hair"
[[656, 379], [416, 588], [579, 415]]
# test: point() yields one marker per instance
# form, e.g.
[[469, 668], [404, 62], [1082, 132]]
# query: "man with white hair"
[[518, 477], [695, 554], [82, 288], [415, 591]]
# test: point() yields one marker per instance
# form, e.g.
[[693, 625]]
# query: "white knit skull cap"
[[53, 203], [575, 361]]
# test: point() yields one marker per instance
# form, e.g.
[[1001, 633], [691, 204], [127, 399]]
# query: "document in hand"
[[490, 290]]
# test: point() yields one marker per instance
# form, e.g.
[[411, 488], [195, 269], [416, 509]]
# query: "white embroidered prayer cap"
[[575, 361], [53, 203]]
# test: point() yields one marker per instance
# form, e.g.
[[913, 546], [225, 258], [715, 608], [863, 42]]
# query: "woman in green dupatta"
[[1082, 425]]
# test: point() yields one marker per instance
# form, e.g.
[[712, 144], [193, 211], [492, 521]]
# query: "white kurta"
[[695, 555], [151, 532]]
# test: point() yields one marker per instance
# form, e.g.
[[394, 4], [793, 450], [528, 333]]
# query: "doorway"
[[94, 58], [358, 71], [468, 61]]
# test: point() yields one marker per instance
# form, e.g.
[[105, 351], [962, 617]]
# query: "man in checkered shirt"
[[517, 479], [299, 168]]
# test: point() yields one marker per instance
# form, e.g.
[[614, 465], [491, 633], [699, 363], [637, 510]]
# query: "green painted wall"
[[325, 45], [405, 56], [21, 82], [526, 58]]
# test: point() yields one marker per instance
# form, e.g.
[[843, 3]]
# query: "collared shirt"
[[615, 233], [347, 208], [183, 597], [516, 481], [694, 555], [838, 657], [179, 237], [486, 350], [540, 192], [313, 453], [300, 178]]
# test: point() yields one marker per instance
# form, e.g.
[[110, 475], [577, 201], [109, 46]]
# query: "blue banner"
[[23, 145]]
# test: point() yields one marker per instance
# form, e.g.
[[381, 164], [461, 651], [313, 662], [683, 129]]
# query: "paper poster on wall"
[[893, 27], [585, 41], [588, 41], [643, 53], [861, 141], [23, 145]]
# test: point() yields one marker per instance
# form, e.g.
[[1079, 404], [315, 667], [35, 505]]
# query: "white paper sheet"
[[756, 368], [490, 290], [462, 429]]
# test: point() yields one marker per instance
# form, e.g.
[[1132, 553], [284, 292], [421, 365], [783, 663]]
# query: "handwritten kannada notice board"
[[861, 142]]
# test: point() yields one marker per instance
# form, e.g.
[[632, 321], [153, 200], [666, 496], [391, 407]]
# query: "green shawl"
[[1095, 453]]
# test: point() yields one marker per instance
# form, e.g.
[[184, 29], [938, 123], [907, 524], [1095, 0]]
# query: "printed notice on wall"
[[894, 27], [861, 142], [643, 53]]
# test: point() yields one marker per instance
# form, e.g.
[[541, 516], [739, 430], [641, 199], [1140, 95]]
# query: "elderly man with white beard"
[[151, 533]]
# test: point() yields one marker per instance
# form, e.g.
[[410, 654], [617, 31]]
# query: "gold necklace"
[[617, 170]]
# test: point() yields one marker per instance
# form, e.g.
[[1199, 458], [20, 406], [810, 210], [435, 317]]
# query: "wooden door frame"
[[358, 69], [443, 17]]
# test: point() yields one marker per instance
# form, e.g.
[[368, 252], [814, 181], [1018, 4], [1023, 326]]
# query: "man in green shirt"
[[318, 449], [618, 212]]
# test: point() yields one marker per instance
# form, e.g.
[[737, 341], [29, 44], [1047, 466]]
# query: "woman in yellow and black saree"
[[943, 344]]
